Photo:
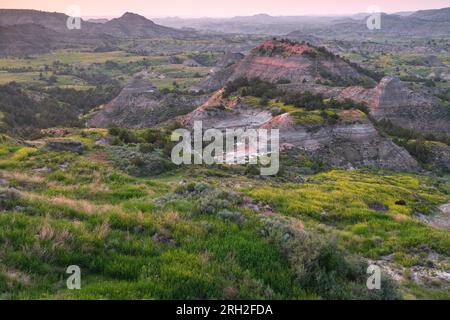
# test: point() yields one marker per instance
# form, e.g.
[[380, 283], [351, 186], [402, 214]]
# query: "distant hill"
[[24, 32], [133, 25], [433, 15], [435, 23], [257, 24], [25, 39], [28, 39], [50, 20], [420, 23], [128, 25]]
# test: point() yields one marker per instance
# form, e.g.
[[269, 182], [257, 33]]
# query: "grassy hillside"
[[212, 236]]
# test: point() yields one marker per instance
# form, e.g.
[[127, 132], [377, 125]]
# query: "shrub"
[[419, 150], [146, 148], [210, 205], [231, 216], [9, 194], [134, 162], [264, 101], [128, 136], [276, 111], [321, 266], [154, 136], [253, 87], [283, 81], [114, 130], [9, 197]]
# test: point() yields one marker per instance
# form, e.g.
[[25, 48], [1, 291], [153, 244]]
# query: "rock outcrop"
[[220, 113], [65, 145], [345, 145]]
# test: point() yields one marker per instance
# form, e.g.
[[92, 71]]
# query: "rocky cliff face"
[[439, 155], [345, 145], [394, 101], [295, 62], [140, 105]]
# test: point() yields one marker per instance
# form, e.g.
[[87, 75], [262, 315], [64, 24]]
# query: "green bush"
[[137, 163], [321, 266], [9, 197]]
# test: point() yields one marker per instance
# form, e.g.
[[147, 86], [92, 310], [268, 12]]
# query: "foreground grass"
[[109, 224], [173, 236]]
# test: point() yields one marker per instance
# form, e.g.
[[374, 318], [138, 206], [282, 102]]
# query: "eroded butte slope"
[[287, 61], [391, 100], [141, 105], [352, 142]]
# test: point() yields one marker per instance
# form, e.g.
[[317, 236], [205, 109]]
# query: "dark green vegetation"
[[308, 109], [143, 153], [57, 89], [24, 111], [419, 145], [266, 90]]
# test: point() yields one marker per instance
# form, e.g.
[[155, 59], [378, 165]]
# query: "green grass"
[[103, 220], [69, 56], [129, 64], [153, 238], [342, 199]]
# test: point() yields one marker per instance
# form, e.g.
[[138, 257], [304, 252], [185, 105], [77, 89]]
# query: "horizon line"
[[89, 16]]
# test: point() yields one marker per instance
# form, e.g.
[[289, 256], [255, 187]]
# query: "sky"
[[221, 8]]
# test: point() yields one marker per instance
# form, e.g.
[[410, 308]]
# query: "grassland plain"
[[222, 234], [80, 69]]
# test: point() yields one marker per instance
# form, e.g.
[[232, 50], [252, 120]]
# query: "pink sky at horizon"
[[223, 8]]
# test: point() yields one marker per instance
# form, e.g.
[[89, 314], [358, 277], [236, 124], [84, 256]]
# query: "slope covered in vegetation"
[[174, 236]]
